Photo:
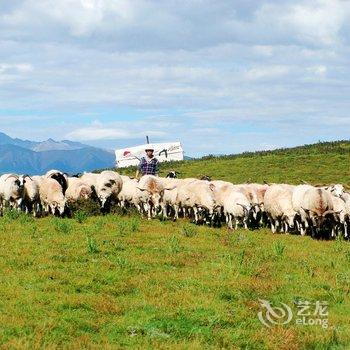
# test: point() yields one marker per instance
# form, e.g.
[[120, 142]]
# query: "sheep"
[[196, 195], [336, 190], [170, 193], [107, 186], [304, 205], [60, 177], [31, 196], [236, 208], [257, 192], [78, 189], [155, 189], [128, 192], [172, 174], [346, 199], [51, 196], [12, 190], [279, 207], [340, 215], [317, 205], [222, 189], [253, 192], [297, 198]]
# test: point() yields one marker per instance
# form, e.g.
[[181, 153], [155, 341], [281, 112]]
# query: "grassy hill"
[[117, 281], [120, 282], [324, 162]]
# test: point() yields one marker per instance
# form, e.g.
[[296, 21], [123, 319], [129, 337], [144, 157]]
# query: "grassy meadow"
[[116, 281], [321, 163]]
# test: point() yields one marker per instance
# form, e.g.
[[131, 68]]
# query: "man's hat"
[[149, 148]]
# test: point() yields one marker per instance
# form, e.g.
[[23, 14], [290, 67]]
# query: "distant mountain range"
[[31, 157]]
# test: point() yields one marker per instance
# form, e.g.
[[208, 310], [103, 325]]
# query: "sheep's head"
[[58, 207], [336, 190], [105, 191], [289, 219]]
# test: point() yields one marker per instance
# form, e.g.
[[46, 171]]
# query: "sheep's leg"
[[149, 213], [273, 228], [229, 221], [195, 210], [261, 221], [281, 226], [333, 234], [277, 224], [164, 211], [245, 219], [272, 222], [176, 209], [345, 229]]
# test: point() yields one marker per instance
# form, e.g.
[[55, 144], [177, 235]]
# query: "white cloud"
[[195, 65], [99, 132], [267, 72], [319, 70], [21, 67], [318, 20]]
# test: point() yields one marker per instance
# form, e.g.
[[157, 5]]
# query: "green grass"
[[121, 282], [104, 283], [321, 163]]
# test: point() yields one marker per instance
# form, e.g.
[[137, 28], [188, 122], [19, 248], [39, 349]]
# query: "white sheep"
[[197, 195], [107, 185], [12, 190], [78, 189], [279, 207], [236, 208], [51, 196], [31, 196]]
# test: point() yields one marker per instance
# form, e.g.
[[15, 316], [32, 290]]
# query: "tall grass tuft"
[[174, 244], [189, 230], [279, 248], [32, 230], [122, 228], [92, 246], [241, 256], [62, 225], [11, 214], [121, 262], [134, 224], [81, 216]]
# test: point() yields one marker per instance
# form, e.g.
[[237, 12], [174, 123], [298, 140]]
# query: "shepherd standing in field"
[[149, 165]]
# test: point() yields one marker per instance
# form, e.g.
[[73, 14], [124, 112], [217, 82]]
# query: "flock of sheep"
[[287, 208]]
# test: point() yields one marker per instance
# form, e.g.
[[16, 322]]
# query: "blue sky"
[[219, 76]]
